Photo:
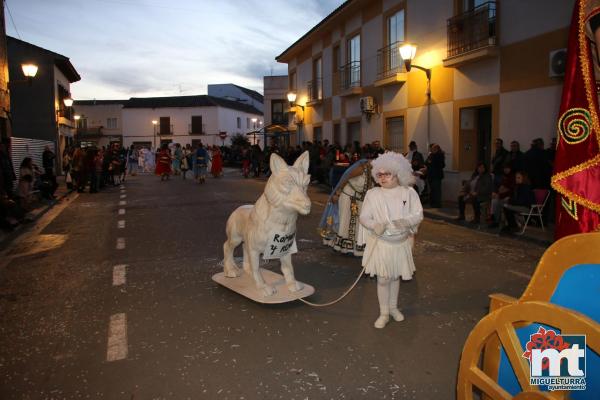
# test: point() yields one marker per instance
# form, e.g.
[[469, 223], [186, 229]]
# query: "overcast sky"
[[128, 48]]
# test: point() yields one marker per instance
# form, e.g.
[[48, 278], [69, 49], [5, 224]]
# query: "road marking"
[[123, 196], [120, 243], [517, 273], [119, 274], [121, 224], [121, 211], [117, 338], [123, 202]]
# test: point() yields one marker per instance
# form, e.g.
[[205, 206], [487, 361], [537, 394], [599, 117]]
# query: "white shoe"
[[382, 321], [397, 315]]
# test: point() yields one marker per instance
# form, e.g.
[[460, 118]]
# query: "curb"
[[34, 215], [453, 221]]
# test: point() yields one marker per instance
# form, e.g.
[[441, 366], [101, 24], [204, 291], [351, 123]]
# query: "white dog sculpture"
[[272, 216]]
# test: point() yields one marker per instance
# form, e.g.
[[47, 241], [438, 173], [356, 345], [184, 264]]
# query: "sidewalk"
[[449, 213], [32, 216]]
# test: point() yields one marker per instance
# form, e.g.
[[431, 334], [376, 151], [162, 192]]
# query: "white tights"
[[387, 294]]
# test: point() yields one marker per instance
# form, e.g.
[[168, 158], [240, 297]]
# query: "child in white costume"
[[391, 213]]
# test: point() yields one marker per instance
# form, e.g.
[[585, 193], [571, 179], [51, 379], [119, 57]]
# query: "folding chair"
[[536, 210]]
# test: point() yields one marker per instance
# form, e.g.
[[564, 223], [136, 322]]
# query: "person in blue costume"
[[201, 163], [339, 224]]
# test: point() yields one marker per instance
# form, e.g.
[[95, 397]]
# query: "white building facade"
[[185, 120]]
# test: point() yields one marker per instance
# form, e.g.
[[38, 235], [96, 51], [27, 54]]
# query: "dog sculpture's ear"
[[302, 162], [277, 163]]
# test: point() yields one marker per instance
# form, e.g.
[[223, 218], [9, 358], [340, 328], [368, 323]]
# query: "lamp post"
[[154, 124], [76, 135], [291, 96], [407, 52], [254, 129]]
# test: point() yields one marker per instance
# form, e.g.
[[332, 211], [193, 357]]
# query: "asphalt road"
[[94, 308]]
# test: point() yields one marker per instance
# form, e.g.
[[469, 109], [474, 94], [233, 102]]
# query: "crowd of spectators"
[[508, 188]]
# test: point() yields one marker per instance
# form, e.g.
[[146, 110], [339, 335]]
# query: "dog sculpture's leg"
[[260, 282], [288, 272], [233, 240], [247, 266]]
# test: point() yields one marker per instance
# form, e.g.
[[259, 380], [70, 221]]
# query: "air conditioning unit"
[[367, 104], [557, 63]]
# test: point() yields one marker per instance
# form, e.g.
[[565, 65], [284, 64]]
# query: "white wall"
[[137, 124], [477, 79], [529, 114]]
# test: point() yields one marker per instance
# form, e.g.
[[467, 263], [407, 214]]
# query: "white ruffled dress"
[[390, 255]]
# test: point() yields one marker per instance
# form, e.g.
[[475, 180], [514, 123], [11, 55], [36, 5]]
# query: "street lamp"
[[154, 124], [30, 71], [408, 52], [68, 101]]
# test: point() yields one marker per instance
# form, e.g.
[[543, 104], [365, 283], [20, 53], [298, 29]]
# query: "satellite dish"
[[557, 63]]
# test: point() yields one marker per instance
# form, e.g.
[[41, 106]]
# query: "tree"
[[240, 140]]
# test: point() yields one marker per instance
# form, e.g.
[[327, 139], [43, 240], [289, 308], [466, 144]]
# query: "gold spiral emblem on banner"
[[575, 125]]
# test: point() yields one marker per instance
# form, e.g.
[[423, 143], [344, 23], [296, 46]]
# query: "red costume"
[[163, 163], [217, 162]]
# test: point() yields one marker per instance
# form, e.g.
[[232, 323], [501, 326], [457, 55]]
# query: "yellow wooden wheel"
[[502, 323]]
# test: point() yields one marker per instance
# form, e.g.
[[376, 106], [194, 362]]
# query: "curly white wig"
[[395, 163]]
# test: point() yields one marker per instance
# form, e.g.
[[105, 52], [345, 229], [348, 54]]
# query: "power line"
[[12, 20]]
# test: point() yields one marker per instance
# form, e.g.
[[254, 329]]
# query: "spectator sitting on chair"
[[501, 194], [477, 191], [521, 200]]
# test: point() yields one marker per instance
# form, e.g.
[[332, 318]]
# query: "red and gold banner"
[[577, 163]]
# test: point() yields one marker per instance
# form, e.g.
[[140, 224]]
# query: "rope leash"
[[339, 298]]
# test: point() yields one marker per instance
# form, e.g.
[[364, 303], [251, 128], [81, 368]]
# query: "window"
[[353, 56], [247, 123], [82, 123], [111, 123], [354, 49], [277, 112], [165, 126], [196, 127], [395, 134], [395, 27], [239, 123], [316, 91]]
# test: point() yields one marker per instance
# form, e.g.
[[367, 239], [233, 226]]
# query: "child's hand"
[[378, 228]]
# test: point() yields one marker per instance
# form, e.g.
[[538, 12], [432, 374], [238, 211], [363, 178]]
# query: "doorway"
[[394, 134], [475, 137]]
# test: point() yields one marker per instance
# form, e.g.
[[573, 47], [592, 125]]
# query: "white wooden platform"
[[245, 286]]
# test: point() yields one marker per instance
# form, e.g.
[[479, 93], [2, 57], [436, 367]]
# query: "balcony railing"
[[279, 118], [193, 132], [472, 30], [161, 130], [348, 76], [90, 132], [315, 89], [389, 61]]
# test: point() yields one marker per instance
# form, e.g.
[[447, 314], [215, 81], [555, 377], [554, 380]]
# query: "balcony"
[[390, 66], [192, 131], [347, 79], [89, 133], [472, 35], [315, 92]]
